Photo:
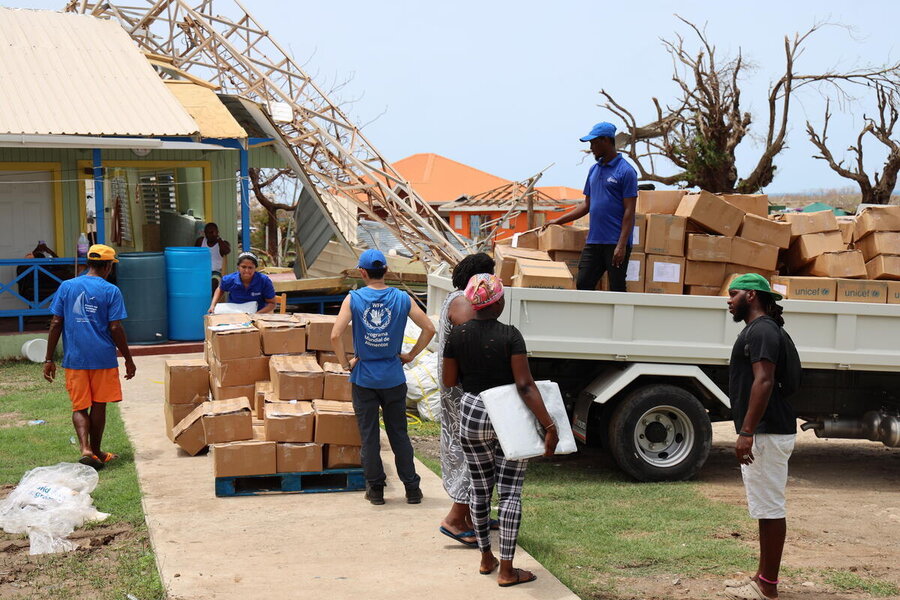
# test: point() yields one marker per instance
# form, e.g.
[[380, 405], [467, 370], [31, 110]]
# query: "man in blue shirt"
[[610, 196], [379, 315], [88, 312]]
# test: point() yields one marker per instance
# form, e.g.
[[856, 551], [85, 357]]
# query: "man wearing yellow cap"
[[88, 312]]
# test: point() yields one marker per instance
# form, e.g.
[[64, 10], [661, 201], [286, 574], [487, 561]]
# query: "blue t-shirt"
[[259, 290], [87, 305], [379, 320], [606, 186]]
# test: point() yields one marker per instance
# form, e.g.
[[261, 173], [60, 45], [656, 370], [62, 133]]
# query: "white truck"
[[645, 375]]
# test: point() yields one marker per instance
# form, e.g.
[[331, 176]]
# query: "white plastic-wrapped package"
[[231, 308], [518, 429], [422, 386], [49, 503]]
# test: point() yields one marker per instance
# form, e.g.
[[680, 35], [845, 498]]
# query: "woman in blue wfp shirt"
[[247, 285]]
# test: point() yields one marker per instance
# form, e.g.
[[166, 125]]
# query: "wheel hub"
[[664, 436]]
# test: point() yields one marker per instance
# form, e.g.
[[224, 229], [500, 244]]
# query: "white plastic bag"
[[232, 308], [49, 503], [518, 429], [423, 391]]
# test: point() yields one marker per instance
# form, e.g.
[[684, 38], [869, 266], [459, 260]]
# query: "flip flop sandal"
[[519, 579], [492, 569], [107, 457], [91, 461], [459, 536], [749, 591]]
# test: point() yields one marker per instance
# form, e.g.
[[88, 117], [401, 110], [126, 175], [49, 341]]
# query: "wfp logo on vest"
[[377, 317]]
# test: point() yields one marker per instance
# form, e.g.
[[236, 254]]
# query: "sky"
[[509, 87]]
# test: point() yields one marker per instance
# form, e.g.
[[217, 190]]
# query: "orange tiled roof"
[[438, 179], [561, 192]]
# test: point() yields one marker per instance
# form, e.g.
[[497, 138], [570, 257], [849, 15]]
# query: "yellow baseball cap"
[[101, 252]]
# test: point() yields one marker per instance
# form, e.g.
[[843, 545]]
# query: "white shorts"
[[766, 478]]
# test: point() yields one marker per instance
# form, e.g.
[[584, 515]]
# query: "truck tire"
[[660, 433]]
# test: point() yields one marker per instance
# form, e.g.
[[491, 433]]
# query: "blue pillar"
[[98, 197], [245, 200]]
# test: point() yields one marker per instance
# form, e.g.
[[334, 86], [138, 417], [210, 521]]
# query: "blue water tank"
[[141, 276], [188, 275]]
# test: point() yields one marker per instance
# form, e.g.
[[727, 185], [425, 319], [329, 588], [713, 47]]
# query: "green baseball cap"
[[753, 281]]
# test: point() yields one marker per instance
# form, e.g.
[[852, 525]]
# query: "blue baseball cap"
[[372, 259], [602, 129]]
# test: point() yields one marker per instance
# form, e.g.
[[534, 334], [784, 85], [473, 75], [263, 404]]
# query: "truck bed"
[[661, 328]]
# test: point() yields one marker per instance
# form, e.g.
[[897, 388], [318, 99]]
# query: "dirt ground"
[[843, 513]]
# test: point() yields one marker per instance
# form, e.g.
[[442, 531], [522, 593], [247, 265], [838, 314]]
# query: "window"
[[475, 225], [457, 222], [157, 194]]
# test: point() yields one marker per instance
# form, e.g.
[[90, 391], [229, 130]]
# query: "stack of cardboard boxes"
[[261, 400]]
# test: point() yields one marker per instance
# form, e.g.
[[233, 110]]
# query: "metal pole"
[[98, 197], [245, 199]]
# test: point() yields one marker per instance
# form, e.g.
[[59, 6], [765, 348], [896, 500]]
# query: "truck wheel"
[[660, 433]]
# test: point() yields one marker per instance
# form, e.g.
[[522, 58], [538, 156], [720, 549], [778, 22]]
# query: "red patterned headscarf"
[[483, 290]]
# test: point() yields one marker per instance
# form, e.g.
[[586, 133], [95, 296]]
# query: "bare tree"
[[700, 131], [263, 183], [881, 127]]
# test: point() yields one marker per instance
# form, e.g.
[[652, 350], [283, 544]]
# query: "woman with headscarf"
[[482, 354], [246, 285]]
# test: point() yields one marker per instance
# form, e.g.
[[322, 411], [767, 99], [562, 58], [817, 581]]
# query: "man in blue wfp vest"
[[379, 315]]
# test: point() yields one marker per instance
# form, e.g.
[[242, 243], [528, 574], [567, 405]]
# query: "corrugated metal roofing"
[[64, 73]]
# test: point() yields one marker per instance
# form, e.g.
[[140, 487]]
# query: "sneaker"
[[375, 494], [414, 495]]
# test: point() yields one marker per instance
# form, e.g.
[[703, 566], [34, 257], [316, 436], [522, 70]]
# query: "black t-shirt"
[[760, 340], [483, 349]]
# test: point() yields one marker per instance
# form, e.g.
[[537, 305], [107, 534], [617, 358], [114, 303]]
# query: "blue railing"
[[36, 269]]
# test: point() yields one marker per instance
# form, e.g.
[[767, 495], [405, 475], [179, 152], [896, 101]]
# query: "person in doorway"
[[379, 314], [610, 197], [88, 313], [457, 310], [482, 354], [764, 422], [218, 250], [246, 285]]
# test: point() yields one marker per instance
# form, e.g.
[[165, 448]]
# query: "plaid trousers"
[[488, 467]]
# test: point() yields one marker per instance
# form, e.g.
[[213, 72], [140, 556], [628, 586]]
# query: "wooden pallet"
[[332, 480]]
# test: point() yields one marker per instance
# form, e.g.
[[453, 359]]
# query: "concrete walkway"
[[310, 546]]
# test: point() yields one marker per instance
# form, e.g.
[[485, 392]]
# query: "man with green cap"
[[764, 421]]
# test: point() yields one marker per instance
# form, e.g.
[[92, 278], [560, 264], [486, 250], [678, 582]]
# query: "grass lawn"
[[122, 560]]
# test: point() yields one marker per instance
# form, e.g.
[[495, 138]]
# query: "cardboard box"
[[190, 433], [702, 290], [711, 213], [754, 254], [260, 390], [528, 239], [879, 242], [186, 381], [282, 337], [571, 259], [229, 421], [240, 371], [877, 218], [562, 237], [812, 222], [174, 413], [342, 457], [259, 430], [337, 383], [506, 256], [639, 235], [239, 459], [752, 204], [729, 277], [708, 248], [336, 423], [237, 341], [847, 225], [665, 275], [861, 290], [883, 266], [326, 357], [704, 274], [847, 264], [663, 202], [805, 288], [318, 333], [634, 276], [665, 235], [224, 319], [296, 377], [543, 274], [732, 269], [893, 295], [299, 458], [766, 231], [220, 392], [805, 248], [289, 421]]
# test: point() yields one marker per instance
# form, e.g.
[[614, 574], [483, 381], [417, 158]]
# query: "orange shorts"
[[89, 386]]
